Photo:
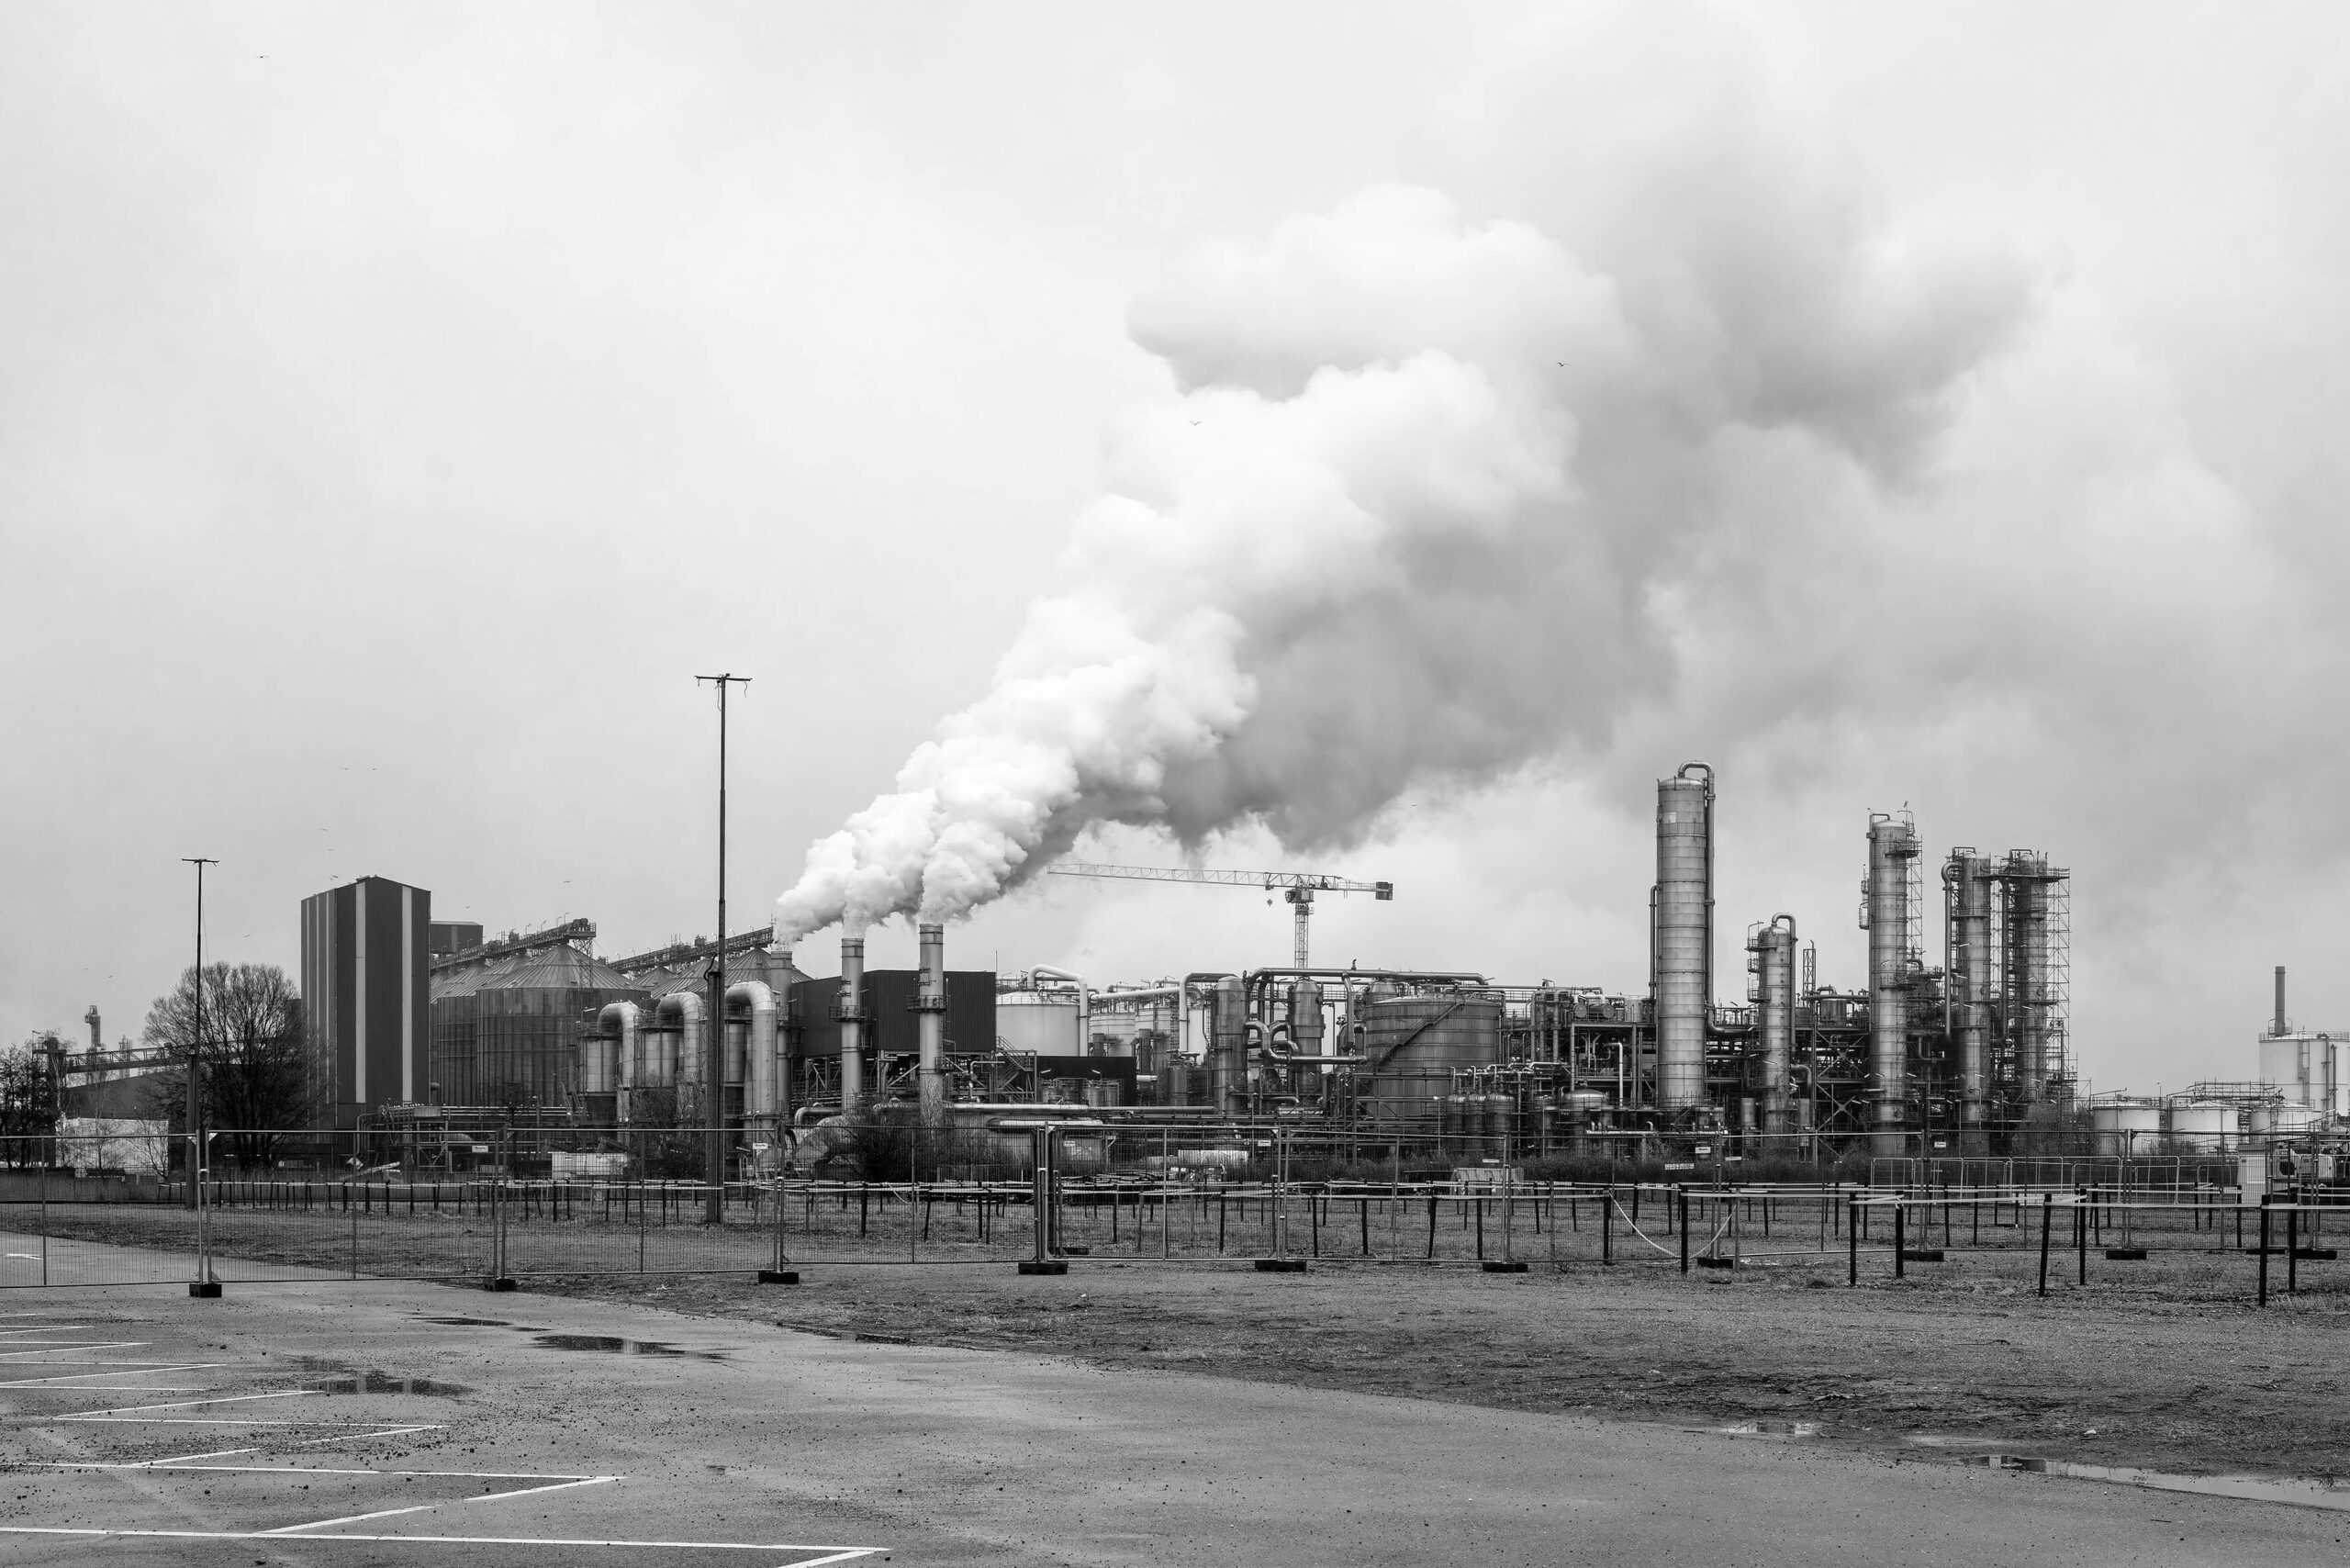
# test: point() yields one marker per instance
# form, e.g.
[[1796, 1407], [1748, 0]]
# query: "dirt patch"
[[1921, 1369]]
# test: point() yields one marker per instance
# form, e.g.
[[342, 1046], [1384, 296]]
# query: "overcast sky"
[[400, 407]]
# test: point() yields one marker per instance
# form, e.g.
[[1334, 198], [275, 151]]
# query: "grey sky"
[[397, 408]]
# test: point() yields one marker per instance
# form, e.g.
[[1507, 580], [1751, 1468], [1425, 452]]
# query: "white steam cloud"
[[1417, 518]]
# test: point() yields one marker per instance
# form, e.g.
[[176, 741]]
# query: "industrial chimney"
[[930, 1018], [848, 1006], [2279, 1027]]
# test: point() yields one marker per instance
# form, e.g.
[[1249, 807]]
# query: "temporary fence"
[[1042, 1192]]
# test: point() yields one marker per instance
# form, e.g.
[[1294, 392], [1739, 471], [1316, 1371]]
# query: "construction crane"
[[1298, 887]]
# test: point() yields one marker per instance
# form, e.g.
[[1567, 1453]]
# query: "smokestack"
[[2280, 1028], [930, 1017], [849, 1008], [97, 1039]]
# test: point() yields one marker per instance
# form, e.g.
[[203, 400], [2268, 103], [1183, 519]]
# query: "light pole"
[[714, 1067], [196, 1043]]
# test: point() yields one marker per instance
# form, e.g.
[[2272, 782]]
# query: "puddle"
[[613, 1345], [372, 1381], [1762, 1429], [1940, 1441], [469, 1322], [2306, 1491]]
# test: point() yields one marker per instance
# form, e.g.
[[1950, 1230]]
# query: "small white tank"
[[2127, 1128], [2283, 1120], [2202, 1127]]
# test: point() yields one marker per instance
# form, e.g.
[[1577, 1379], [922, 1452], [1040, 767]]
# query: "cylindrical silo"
[[1774, 947], [1414, 1045], [1893, 845], [2129, 1126], [1682, 936], [2201, 1128]]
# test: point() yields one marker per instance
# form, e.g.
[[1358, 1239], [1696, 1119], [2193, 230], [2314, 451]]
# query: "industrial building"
[[367, 969], [1967, 1053]]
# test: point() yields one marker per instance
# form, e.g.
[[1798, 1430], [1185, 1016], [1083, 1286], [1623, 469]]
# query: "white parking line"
[[152, 1369], [563, 1485], [834, 1553], [122, 1412]]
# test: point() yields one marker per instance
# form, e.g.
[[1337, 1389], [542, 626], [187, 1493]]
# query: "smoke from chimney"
[[1413, 519]]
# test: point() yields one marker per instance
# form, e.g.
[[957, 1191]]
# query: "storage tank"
[[1501, 1124], [1681, 933], [2282, 1122], [1454, 1126], [1042, 1021], [2202, 1127], [1412, 1045], [2126, 1128]]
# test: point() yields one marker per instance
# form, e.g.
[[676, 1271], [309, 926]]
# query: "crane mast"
[[1298, 889]]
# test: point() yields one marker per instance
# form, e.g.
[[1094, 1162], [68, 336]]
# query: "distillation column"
[[2028, 997], [848, 1006], [1774, 947], [1893, 845], [1229, 1048], [1971, 884], [930, 1019], [1680, 941]]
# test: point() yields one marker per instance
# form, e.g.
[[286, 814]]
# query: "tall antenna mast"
[[714, 1060]]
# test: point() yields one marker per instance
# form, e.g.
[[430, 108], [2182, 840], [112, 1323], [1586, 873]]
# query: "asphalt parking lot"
[[424, 1427]]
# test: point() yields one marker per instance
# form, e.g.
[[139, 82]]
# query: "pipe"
[[685, 1071], [1084, 1002], [930, 1018], [611, 1052], [762, 1097], [848, 1006]]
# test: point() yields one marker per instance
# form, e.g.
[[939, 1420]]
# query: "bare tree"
[[28, 1100], [256, 1068]]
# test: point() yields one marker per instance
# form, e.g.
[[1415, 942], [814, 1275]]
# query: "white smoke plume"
[[1417, 515]]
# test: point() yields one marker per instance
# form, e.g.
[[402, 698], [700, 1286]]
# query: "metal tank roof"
[[560, 968]]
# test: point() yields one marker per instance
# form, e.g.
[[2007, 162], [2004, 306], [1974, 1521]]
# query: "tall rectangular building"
[[366, 975]]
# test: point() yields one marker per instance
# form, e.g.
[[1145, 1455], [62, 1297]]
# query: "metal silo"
[[1887, 913], [1970, 884], [1414, 1045], [1681, 942], [1774, 950]]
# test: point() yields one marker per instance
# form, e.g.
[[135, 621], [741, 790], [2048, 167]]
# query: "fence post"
[[2047, 1206], [2264, 1248], [1852, 1239], [2293, 1249], [1608, 1226], [1901, 1233], [1680, 1210], [44, 1210]]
